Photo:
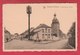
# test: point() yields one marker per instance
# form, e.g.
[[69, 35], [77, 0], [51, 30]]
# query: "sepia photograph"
[[40, 27]]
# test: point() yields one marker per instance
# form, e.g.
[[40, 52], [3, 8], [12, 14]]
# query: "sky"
[[15, 18]]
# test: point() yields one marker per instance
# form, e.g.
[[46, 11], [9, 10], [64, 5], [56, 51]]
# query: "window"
[[45, 34], [42, 30], [48, 35], [48, 30], [45, 30], [42, 35]]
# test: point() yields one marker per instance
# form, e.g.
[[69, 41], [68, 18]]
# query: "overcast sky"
[[15, 18]]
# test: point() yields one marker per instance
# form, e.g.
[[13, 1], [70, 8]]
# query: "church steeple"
[[54, 15], [55, 26], [55, 20]]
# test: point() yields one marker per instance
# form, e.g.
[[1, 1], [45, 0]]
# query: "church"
[[45, 32]]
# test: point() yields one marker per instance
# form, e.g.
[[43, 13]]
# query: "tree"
[[72, 35]]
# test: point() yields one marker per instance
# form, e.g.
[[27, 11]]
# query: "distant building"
[[7, 35], [25, 33], [16, 36]]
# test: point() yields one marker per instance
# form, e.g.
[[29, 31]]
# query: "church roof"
[[43, 26]]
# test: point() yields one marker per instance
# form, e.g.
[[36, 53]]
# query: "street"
[[25, 44]]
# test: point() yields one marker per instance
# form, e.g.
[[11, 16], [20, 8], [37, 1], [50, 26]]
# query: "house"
[[43, 32], [7, 35], [25, 34]]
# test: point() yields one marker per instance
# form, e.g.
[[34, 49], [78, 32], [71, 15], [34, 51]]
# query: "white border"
[[41, 49]]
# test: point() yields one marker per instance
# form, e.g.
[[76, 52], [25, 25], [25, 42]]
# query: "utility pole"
[[29, 10]]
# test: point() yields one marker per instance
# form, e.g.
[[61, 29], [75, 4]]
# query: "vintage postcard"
[[40, 27]]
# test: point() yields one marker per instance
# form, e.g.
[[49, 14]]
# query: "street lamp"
[[29, 10]]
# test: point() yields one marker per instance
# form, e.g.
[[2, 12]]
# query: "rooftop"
[[43, 26]]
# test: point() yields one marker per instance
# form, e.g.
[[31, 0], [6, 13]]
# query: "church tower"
[[55, 27]]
